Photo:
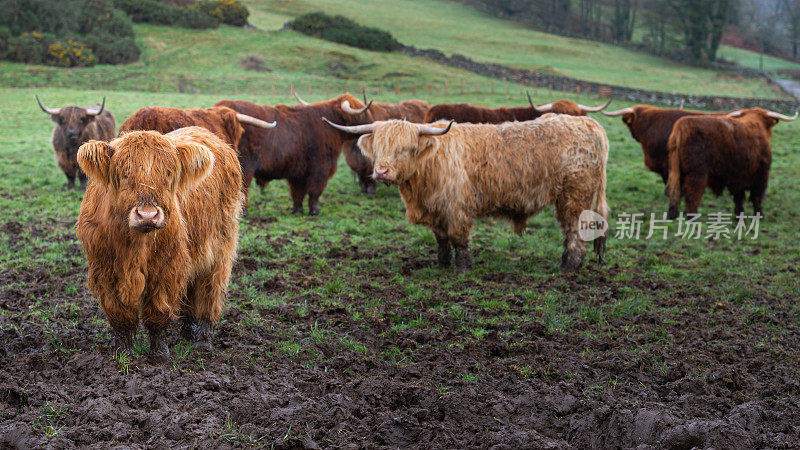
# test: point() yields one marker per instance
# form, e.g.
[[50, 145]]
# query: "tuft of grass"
[[48, 422]]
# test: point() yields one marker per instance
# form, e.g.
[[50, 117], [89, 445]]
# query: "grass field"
[[340, 329], [449, 25], [207, 61]]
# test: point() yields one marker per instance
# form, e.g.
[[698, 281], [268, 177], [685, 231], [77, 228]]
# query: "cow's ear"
[[196, 162], [365, 144], [427, 146], [94, 158], [629, 117]]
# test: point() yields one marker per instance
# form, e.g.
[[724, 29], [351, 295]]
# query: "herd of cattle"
[[159, 219]]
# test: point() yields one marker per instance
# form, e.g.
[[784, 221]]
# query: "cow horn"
[[618, 112], [529, 100], [302, 102], [357, 129], [354, 112], [255, 122], [92, 112], [736, 113], [594, 109], [427, 130], [544, 108], [780, 116], [46, 109], [683, 103]]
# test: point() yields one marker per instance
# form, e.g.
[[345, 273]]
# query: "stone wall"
[[560, 83]]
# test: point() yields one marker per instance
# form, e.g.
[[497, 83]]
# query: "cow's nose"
[[146, 212], [381, 170]]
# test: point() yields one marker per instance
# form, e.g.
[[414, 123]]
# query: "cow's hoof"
[[570, 261], [672, 213], [122, 342], [313, 211], [159, 352], [297, 210]]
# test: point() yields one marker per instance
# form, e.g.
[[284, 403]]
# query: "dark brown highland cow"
[[651, 127], [159, 226], [411, 110], [76, 125], [466, 113], [303, 150], [730, 152]]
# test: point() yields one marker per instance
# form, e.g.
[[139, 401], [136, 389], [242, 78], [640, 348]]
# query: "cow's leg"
[[205, 302], [70, 181], [445, 248], [123, 321], [297, 189], [247, 179], [367, 185], [758, 190], [459, 237], [157, 314], [738, 202], [568, 210], [315, 188], [693, 188]]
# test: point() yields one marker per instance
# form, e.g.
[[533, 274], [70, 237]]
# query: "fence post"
[[235, 90], [216, 90], [327, 90], [414, 89], [445, 88], [462, 87], [309, 89], [477, 88], [508, 86]]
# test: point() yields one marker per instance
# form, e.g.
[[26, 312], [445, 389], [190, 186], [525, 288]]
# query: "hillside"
[[453, 27], [208, 61]]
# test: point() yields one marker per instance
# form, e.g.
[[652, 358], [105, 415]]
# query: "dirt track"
[[718, 385]]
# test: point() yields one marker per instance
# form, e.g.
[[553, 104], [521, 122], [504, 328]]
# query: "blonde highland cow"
[[450, 175]]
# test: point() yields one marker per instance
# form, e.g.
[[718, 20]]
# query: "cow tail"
[[673, 189], [601, 205]]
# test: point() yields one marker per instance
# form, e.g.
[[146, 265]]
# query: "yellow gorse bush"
[[70, 54]]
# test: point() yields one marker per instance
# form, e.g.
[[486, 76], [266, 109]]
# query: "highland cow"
[[730, 152], [466, 113], [449, 176], [159, 226], [302, 150], [76, 125]]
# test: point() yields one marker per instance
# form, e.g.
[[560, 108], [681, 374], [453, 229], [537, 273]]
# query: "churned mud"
[[315, 373]]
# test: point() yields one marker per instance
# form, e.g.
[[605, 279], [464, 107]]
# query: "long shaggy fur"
[[512, 170], [195, 177], [101, 128], [719, 153], [302, 149], [218, 120]]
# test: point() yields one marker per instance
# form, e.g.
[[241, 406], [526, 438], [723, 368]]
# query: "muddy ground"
[[318, 374]]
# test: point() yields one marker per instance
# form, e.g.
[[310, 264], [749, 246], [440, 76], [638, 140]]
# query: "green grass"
[[453, 28], [750, 59], [207, 61]]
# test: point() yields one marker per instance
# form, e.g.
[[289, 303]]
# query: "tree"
[[624, 19], [703, 24], [792, 8]]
